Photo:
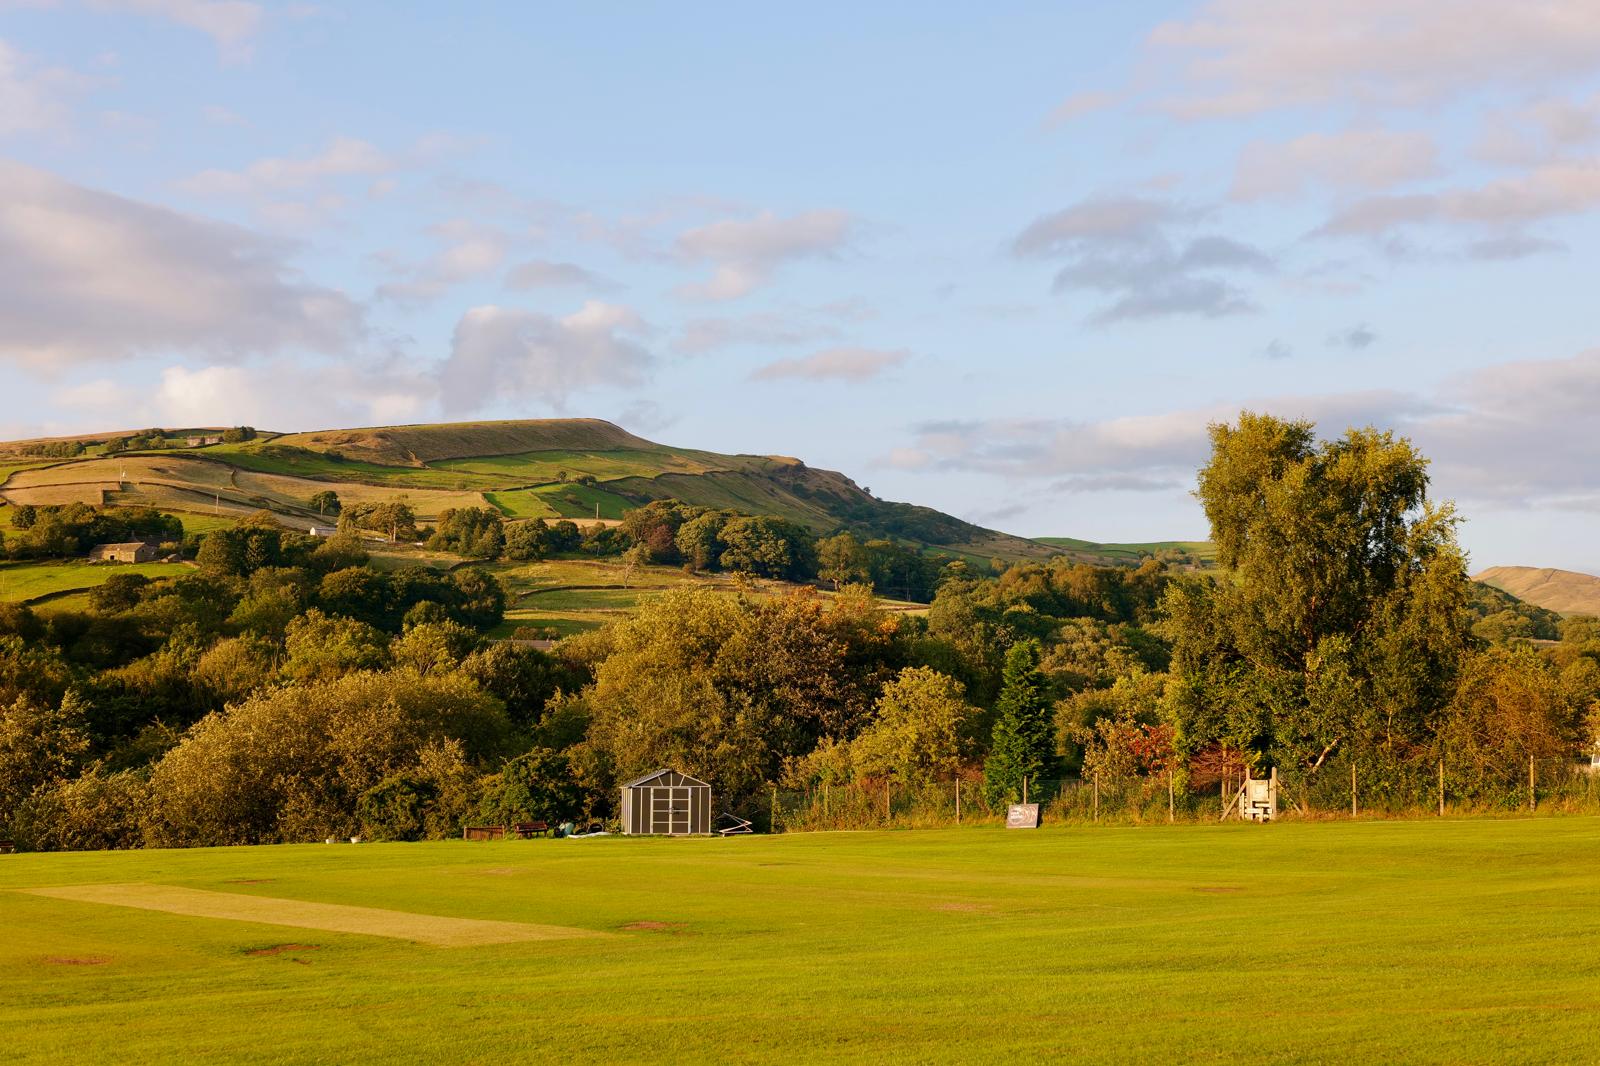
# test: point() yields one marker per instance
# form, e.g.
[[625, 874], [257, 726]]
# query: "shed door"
[[669, 810]]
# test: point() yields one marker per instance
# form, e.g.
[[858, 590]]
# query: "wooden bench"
[[7, 847], [524, 830], [483, 832]]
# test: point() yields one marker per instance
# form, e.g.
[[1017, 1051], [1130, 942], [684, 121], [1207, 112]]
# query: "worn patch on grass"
[[430, 929], [656, 927], [279, 949], [77, 960]]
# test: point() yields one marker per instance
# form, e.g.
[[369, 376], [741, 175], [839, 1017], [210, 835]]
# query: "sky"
[[1006, 260]]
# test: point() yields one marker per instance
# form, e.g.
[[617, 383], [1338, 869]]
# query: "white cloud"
[[343, 157], [745, 252], [505, 354], [1509, 436], [1239, 57], [834, 364], [273, 394], [34, 98], [1554, 190], [1541, 132], [1078, 105], [467, 251], [231, 24], [1362, 159], [87, 276]]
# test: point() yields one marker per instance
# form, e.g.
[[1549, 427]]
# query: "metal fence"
[[1411, 791]]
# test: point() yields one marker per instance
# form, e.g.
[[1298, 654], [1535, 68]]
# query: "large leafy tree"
[[1343, 620]]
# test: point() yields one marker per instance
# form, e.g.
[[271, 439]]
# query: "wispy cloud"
[[834, 364]]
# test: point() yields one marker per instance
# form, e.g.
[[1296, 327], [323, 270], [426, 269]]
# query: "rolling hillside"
[[1199, 554], [550, 468], [1563, 591]]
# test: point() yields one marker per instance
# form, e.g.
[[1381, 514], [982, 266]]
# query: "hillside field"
[[1563, 591], [1334, 942], [541, 468], [22, 582], [1101, 553]]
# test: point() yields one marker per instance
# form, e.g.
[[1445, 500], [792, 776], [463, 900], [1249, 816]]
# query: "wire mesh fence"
[[1411, 791]]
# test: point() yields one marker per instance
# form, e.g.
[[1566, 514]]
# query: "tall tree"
[[1023, 742], [1345, 620]]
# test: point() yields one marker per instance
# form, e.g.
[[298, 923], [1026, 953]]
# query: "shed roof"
[[126, 544], [665, 776]]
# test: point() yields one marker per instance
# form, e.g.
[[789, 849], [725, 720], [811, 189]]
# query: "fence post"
[[1170, 813], [1441, 786], [958, 799], [1024, 788], [1352, 787], [774, 809], [1531, 801]]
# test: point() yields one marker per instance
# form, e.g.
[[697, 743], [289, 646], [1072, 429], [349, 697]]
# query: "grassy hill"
[[1201, 552], [1562, 591], [550, 468], [1303, 942]]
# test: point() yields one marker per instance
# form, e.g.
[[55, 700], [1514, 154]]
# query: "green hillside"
[[550, 468], [1198, 553]]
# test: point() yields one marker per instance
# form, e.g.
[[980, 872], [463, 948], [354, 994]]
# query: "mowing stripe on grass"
[[329, 917]]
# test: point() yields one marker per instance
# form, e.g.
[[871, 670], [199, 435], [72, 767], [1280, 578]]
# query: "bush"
[[293, 763], [536, 786], [95, 812]]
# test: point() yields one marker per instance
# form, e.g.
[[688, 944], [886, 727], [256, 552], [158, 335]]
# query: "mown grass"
[[1403, 942], [20, 582]]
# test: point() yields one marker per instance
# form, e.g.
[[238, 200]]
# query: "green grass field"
[[1203, 550], [26, 581], [1340, 942]]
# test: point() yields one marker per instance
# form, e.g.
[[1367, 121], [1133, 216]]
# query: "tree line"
[[288, 690]]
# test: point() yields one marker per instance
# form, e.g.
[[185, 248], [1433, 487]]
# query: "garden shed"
[[666, 803]]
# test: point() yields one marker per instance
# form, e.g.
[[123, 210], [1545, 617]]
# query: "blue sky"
[[1006, 262]]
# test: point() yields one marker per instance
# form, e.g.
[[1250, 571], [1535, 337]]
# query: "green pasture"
[[1131, 552], [579, 501], [261, 457], [1396, 942], [20, 582], [549, 465], [520, 503]]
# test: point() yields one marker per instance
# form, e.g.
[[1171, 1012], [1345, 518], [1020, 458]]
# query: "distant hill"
[[1197, 553], [545, 468], [1563, 591]]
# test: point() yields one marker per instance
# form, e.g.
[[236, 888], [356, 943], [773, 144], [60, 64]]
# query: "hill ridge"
[[1566, 592]]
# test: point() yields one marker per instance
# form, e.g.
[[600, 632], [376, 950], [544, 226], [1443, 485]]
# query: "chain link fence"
[[1399, 791]]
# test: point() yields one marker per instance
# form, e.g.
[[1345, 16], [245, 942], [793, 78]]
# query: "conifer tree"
[[1023, 744]]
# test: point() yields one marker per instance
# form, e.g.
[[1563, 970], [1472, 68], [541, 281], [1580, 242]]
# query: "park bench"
[[530, 829], [7, 847], [483, 832]]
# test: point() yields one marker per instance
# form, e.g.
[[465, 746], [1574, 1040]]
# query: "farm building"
[[666, 803], [202, 442], [137, 551]]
